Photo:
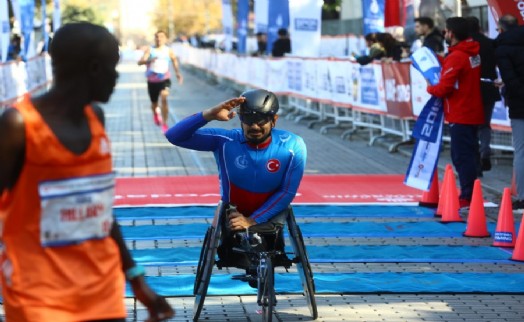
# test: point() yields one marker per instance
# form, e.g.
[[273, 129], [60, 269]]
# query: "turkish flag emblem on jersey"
[[273, 165]]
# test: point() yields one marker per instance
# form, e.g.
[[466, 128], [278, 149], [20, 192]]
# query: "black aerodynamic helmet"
[[259, 101]]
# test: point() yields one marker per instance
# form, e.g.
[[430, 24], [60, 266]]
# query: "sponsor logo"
[[474, 61], [273, 165], [306, 24], [520, 7]]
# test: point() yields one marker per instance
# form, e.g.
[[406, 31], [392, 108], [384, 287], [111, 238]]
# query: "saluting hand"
[[223, 111]]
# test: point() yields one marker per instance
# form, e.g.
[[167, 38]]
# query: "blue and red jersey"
[[260, 180]]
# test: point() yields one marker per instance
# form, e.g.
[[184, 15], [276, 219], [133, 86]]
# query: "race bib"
[[75, 210]]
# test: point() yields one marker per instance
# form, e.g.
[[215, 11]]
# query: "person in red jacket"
[[459, 87]]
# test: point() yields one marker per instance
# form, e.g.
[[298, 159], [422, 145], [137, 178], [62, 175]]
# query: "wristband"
[[134, 272]]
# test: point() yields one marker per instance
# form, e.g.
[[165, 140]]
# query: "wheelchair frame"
[[265, 291]]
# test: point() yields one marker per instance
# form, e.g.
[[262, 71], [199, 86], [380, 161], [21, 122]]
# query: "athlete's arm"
[[145, 58], [12, 148], [174, 60], [188, 133], [282, 198]]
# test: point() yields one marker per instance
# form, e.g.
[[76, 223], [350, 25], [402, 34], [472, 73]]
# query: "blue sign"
[[242, 16], [373, 15], [278, 17], [369, 87]]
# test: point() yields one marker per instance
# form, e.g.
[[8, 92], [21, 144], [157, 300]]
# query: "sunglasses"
[[255, 118]]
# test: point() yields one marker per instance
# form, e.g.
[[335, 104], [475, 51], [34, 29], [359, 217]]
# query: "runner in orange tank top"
[[63, 256]]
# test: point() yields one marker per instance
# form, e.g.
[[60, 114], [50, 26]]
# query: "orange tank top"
[[59, 262]]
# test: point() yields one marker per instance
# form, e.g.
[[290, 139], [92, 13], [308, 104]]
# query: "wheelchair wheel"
[[202, 259], [266, 289], [303, 266], [205, 267]]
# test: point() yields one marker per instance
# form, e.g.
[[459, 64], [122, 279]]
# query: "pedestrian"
[[510, 60], [157, 59], [490, 93], [282, 45], [63, 256], [459, 87]]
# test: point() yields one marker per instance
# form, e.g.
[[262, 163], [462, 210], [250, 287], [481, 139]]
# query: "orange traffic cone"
[[450, 212], [518, 252], [447, 173], [505, 231], [476, 226], [430, 198]]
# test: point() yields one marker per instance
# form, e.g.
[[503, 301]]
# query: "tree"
[[189, 17]]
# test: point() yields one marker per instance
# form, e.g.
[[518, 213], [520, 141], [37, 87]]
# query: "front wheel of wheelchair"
[[204, 269], [266, 289], [303, 266]]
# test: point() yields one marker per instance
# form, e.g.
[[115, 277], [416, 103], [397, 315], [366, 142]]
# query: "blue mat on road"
[[141, 213], [347, 254], [315, 229], [182, 285]]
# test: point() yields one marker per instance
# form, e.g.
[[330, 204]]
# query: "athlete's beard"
[[256, 141]]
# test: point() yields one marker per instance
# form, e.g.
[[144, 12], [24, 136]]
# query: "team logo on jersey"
[[273, 165], [285, 137], [241, 162]]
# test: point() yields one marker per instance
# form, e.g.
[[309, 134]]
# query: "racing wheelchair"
[[260, 245]]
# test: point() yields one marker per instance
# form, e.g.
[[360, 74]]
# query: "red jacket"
[[459, 84]]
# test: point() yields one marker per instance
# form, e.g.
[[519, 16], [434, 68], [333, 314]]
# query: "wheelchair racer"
[[260, 167]]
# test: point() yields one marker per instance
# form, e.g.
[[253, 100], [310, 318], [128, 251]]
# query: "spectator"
[[261, 44], [390, 45], [490, 93], [459, 87], [376, 51], [431, 36], [282, 45], [63, 257], [14, 51], [510, 59]]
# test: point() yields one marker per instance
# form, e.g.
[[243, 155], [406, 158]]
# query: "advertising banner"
[[398, 89], [339, 72], [261, 15], [227, 24], [373, 15], [504, 7], [305, 24], [5, 30], [368, 87], [242, 14], [278, 17]]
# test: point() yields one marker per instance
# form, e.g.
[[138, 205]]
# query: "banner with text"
[[373, 15], [304, 16]]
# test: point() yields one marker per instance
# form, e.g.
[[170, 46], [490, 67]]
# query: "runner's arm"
[[12, 148], [174, 60], [145, 57]]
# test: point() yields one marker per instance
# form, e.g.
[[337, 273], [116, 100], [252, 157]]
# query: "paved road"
[[140, 149]]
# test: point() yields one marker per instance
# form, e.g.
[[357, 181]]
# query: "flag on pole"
[[373, 15], [227, 24], [242, 15], [278, 17], [57, 19]]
